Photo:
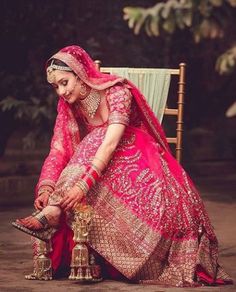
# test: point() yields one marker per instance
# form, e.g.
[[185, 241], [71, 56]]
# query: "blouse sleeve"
[[64, 141], [119, 103]]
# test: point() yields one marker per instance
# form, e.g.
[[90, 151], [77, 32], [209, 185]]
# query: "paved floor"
[[15, 250]]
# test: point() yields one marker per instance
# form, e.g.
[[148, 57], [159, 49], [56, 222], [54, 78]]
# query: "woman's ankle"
[[52, 213]]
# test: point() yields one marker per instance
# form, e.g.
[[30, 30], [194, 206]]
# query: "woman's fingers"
[[70, 201], [38, 204], [67, 208], [45, 201], [70, 204], [41, 201], [75, 204], [65, 202]]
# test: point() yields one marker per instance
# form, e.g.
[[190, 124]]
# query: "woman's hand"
[[42, 201], [73, 197]]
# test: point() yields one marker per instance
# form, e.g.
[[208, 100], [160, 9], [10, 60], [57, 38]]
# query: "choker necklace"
[[91, 103]]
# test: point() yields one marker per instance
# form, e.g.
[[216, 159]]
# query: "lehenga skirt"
[[149, 221]]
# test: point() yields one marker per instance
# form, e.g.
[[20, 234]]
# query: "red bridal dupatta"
[[149, 221]]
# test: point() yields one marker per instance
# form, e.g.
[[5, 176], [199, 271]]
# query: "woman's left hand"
[[71, 199]]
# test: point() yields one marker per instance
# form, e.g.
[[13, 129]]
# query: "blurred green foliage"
[[31, 32], [205, 19], [36, 113]]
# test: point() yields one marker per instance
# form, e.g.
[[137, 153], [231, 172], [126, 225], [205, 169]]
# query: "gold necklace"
[[91, 103]]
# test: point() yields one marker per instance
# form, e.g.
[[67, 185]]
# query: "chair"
[[176, 110]]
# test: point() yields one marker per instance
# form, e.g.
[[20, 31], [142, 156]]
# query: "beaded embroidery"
[[119, 101]]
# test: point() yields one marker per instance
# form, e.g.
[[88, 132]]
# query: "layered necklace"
[[91, 103]]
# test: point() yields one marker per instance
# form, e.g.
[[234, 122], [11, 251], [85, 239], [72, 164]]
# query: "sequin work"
[[135, 202], [119, 102], [149, 220]]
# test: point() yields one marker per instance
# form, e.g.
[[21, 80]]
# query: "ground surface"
[[219, 195]]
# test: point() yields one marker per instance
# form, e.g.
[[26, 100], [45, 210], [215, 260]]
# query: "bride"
[[109, 150]]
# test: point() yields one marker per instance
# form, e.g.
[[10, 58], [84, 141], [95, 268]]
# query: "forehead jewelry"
[[51, 77]]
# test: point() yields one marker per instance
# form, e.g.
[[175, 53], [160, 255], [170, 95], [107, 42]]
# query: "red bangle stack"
[[89, 178]]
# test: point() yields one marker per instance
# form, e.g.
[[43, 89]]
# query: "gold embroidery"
[[75, 64]]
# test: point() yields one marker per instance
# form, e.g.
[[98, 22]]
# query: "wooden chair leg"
[[181, 94]]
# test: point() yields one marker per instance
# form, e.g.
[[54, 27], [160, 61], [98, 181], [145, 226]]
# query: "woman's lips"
[[66, 97]]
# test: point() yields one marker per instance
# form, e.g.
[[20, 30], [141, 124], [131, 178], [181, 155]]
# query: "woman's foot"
[[30, 222], [36, 225], [49, 216]]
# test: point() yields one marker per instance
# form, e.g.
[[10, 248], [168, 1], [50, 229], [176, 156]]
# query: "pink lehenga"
[[149, 221]]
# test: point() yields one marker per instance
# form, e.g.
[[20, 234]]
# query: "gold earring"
[[83, 88]]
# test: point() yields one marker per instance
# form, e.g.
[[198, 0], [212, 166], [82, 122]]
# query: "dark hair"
[[58, 63]]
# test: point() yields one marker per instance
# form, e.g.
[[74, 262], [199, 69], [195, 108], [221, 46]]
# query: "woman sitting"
[[149, 222]]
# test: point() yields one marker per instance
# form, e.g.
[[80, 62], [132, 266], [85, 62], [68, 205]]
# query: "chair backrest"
[[160, 108]]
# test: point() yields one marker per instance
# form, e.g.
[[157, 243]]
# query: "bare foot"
[[30, 222]]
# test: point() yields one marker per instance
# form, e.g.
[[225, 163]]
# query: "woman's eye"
[[64, 83]]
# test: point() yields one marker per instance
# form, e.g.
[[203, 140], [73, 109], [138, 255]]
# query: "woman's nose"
[[61, 91]]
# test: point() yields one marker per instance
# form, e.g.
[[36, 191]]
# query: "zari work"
[[149, 221]]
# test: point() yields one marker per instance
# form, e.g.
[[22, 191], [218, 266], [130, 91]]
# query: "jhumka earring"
[[83, 89]]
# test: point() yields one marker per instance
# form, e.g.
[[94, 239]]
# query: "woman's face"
[[66, 85]]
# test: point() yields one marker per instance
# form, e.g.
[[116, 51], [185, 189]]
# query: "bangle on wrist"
[[101, 161], [83, 186], [45, 189], [96, 169], [46, 183], [88, 179]]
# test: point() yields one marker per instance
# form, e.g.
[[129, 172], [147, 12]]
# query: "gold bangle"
[[48, 187], [46, 183], [104, 164], [96, 169], [83, 186], [44, 190]]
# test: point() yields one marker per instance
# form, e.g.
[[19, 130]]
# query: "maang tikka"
[[51, 78]]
